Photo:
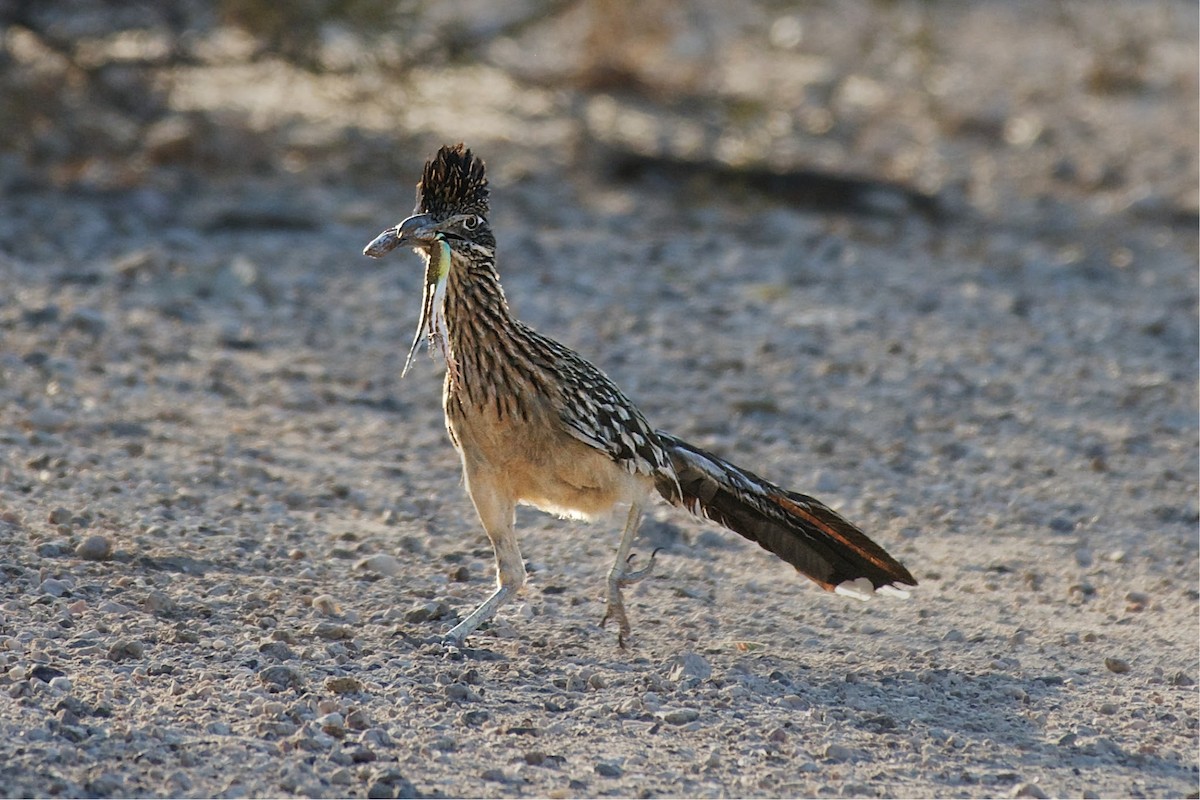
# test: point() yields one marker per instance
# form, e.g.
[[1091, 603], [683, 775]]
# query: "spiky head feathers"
[[453, 183]]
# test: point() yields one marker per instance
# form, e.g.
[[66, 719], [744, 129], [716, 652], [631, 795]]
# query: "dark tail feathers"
[[801, 530]]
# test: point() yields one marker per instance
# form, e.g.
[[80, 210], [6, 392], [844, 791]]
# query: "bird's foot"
[[615, 610], [625, 578]]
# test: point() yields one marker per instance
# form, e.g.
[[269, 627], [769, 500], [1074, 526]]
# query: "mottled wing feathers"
[[801, 530], [593, 410], [454, 182]]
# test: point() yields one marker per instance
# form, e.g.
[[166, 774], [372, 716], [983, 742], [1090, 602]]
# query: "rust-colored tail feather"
[[801, 530]]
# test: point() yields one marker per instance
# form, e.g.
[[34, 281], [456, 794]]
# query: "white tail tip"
[[863, 589], [859, 589]]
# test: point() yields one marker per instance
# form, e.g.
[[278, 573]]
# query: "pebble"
[[391, 783], [1182, 679], [474, 718], [1030, 790], [325, 604], [443, 743], [606, 769], [158, 602], [426, 612], [60, 516], [280, 677], [838, 752], [279, 651], [94, 548], [332, 632], [332, 722], [1117, 665], [54, 587], [341, 684], [680, 716], [689, 665], [954, 635], [382, 563], [126, 649]]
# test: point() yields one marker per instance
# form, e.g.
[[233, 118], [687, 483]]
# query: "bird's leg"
[[620, 575], [496, 514]]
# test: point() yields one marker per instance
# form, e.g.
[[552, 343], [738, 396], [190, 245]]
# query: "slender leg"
[[496, 513], [620, 575]]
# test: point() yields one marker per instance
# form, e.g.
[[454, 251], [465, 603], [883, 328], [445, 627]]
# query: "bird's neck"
[[484, 338]]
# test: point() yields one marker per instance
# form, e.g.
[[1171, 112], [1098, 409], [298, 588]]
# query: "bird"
[[535, 423]]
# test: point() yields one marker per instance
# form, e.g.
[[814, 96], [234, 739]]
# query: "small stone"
[[362, 755], [382, 563], [358, 720], [280, 651], [60, 516], [494, 774], [332, 723], [954, 635], [1181, 679], [158, 602], [332, 632], [606, 769], [44, 673], [426, 612], [126, 649], [1028, 790], [1107, 708], [460, 574], [681, 716], [690, 665], [391, 783], [54, 587], [94, 548], [1116, 665], [325, 604], [474, 717], [61, 684], [838, 752], [343, 684], [280, 677], [534, 758], [779, 736]]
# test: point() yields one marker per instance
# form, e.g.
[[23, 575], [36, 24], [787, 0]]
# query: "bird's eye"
[[471, 223]]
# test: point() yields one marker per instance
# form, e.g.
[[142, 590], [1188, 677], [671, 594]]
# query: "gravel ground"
[[228, 530]]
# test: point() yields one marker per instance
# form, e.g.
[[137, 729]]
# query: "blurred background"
[[882, 106]]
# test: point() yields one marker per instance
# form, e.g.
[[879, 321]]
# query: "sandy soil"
[[228, 531]]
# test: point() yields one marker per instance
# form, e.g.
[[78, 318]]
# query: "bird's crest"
[[453, 183]]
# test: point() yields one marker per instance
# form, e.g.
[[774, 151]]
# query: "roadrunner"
[[535, 423]]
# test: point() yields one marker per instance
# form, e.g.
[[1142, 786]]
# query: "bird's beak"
[[416, 230]]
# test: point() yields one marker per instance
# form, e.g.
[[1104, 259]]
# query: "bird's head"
[[452, 208]]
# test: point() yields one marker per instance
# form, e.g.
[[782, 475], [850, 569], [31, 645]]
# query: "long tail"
[[801, 530]]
